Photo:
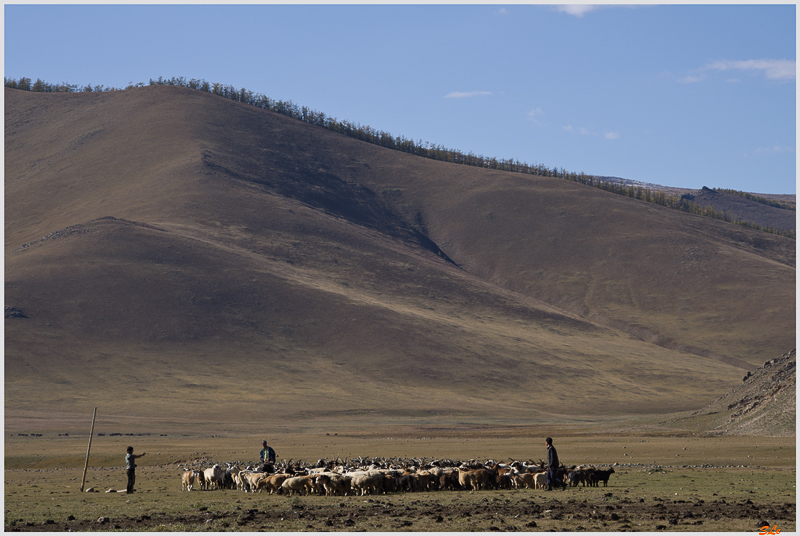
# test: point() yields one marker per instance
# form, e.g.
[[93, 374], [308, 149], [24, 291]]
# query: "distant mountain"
[[652, 186], [743, 208], [204, 260]]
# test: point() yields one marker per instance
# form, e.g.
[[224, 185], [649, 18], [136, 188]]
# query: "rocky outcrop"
[[763, 404]]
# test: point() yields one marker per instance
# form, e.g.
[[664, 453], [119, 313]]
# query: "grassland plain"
[[662, 482]]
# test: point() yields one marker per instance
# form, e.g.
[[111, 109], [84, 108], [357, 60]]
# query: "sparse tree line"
[[758, 199], [419, 148]]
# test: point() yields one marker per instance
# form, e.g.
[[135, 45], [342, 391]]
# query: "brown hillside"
[[169, 249]]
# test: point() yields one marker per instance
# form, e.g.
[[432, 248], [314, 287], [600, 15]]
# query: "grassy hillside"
[[190, 258]]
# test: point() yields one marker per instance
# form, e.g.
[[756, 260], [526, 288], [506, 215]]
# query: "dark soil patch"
[[430, 515]]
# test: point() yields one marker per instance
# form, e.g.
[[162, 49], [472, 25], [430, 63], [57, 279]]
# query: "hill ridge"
[[634, 189]]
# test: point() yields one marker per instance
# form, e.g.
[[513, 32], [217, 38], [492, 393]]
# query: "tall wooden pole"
[[91, 433]]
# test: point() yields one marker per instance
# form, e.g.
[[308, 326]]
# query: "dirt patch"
[[429, 514]]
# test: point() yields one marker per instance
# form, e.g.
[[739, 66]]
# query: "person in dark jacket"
[[552, 467], [267, 456], [130, 468]]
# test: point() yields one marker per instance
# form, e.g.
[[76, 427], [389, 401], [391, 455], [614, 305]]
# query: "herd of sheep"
[[329, 478]]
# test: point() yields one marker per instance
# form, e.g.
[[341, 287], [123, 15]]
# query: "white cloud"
[[690, 79], [771, 69], [775, 149], [580, 130], [612, 135], [579, 10], [502, 11], [466, 94], [534, 114]]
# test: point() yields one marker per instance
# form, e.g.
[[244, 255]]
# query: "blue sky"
[[679, 95]]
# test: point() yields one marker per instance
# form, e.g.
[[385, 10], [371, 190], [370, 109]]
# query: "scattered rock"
[[13, 312], [763, 404]]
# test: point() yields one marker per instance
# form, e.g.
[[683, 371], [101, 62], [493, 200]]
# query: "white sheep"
[[298, 484]]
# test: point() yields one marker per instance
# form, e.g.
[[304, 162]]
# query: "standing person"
[[130, 467], [267, 456], [552, 466]]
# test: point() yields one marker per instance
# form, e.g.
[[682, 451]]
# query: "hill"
[[178, 255]]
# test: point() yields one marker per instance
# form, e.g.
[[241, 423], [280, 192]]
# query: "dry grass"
[[754, 478]]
